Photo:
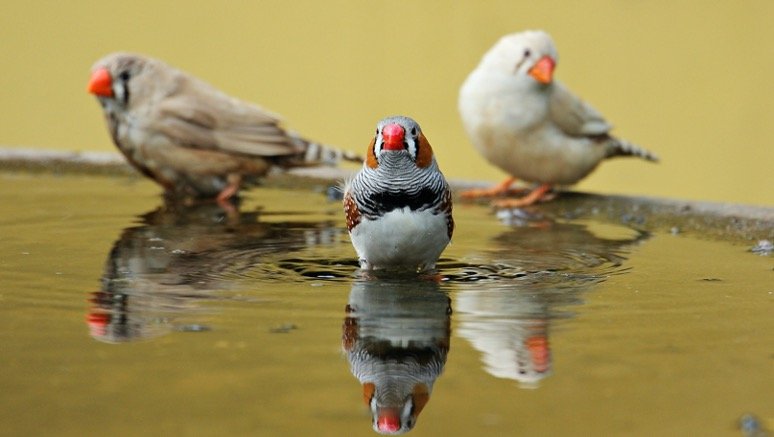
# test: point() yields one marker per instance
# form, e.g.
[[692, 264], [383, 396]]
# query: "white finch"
[[530, 125]]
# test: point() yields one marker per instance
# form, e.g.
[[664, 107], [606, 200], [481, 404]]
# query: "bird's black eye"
[[377, 131], [413, 131], [527, 53], [124, 76]]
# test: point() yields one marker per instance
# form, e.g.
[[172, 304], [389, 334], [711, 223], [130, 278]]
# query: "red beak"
[[393, 137], [388, 421], [101, 84], [543, 70]]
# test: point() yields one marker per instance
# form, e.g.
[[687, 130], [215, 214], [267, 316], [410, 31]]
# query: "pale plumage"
[[398, 207], [528, 124], [189, 137]]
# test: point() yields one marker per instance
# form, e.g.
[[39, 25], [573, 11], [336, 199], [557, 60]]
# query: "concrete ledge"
[[718, 220], [54, 161]]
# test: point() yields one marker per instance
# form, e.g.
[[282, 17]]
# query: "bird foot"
[[540, 194], [225, 198], [500, 189], [227, 193], [433, 276]]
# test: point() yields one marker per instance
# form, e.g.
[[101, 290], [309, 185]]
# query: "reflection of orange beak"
[[540, 352], [388, 420], [543, 70], [100, 84], [98, 323]]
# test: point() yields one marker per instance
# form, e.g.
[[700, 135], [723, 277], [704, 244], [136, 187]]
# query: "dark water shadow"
[[160, 270], [396, 336]]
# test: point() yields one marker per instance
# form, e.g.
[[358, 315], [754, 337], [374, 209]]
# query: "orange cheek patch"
[[370, 157], [369, 388], [425, 152], [421, 395]]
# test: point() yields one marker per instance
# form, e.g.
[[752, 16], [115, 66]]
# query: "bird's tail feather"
[[317, 153], [625, 148]]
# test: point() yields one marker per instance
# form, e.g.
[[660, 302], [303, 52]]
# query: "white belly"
[[511, 128], [544, 156], [401, 238]]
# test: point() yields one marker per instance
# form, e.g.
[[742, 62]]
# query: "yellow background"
[[689, 80]]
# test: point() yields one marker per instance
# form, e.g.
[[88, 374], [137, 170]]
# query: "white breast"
[[401, 238], [507, 120]]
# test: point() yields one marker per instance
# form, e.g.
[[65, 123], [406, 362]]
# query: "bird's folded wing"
[[219, 122], [574, 116]]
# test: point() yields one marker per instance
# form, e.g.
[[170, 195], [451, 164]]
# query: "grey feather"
[[574, 116]]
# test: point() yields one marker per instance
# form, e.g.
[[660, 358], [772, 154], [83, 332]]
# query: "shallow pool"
[[123, 316]]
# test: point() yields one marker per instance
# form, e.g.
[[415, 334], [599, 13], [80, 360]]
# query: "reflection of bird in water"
[[396, 336], [509, 326], [176, 256], [508, 318], [563, 246]]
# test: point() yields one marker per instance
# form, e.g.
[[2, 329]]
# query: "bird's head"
[[399, 140], [528, 54], [396, 416], [112, 76]]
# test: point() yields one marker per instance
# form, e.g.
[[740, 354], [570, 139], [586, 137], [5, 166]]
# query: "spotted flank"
[[351, 212]]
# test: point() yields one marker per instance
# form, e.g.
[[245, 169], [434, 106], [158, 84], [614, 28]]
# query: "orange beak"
[[393, 137], [543, 70], [540, 352], [100, 84]]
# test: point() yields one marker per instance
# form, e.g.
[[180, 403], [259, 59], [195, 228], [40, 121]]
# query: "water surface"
[[121, 315]]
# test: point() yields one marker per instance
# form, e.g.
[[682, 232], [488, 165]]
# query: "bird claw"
[[503, 188], [542, 193]]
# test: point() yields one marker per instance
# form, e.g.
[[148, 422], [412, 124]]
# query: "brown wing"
[[197, 115], [574, 116]]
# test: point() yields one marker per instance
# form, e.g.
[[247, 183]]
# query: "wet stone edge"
[[718, 220]]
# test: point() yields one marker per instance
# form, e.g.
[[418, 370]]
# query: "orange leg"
[[227, 193], [432, 276], [234, 181], [497, 190], [224, 197], [540, 193]]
